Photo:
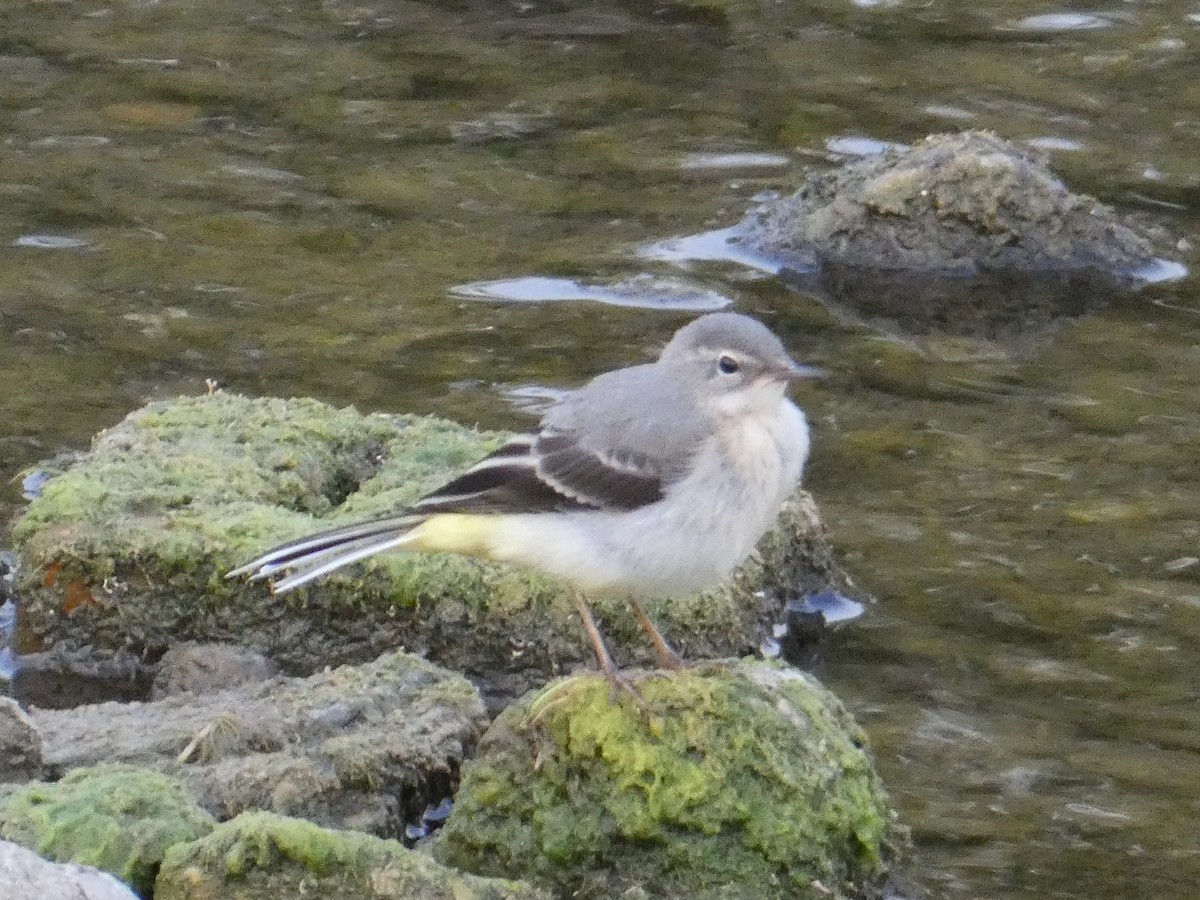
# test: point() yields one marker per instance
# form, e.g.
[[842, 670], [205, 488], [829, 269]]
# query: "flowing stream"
[[304, 198]]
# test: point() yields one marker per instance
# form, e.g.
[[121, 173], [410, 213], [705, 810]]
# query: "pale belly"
[[692, 539]]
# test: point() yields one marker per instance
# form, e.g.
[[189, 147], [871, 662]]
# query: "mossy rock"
[[364, 747], [746, 780], [262, 856], [128, 548], [963, 233], [119, 819]]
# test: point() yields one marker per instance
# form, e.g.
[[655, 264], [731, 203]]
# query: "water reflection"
[[734, 161], [50, 242], [712, 246], [645, 291], [1063, 22]]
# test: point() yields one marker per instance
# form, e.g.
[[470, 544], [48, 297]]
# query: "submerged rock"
[[963, 233], [259, 856], [365, 747], [118, 819], [127, 550], [746, 780]]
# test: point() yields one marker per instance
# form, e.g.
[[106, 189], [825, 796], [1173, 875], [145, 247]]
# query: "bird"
[[650, 481]]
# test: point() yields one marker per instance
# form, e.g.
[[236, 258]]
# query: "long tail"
[[324, 552], [319, 554]]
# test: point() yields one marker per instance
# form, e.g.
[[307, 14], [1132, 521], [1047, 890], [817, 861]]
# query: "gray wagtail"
[[655, 480]]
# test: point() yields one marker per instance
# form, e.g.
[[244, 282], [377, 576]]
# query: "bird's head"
[[732, 364]]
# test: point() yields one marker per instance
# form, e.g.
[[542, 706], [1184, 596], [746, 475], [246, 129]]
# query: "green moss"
[[136, 537], [118, 819], [264, 855], [743, 782], [128, 548]]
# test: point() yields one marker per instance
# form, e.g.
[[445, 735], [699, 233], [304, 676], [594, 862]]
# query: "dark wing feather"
[[548, 471], [505, 481], [617, 480], [580, 459]]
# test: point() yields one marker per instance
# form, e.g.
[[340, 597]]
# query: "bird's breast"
[[765, 453], [707, 523]]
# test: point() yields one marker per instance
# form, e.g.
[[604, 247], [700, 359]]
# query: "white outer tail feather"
[[320, 554]]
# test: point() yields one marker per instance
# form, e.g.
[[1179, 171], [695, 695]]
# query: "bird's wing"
[[610, 478], [617, 443], [549, 470]]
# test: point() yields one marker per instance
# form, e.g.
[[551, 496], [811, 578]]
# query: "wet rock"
[[26, 876], [259, 856], [205, 668], [808, 622], [365, 747], [20, 744], [739, 780], [115, 818], [128, 549], [963, 233]]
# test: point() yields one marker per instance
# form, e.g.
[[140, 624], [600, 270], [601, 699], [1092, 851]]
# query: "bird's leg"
[[616, 680], [666, 653]]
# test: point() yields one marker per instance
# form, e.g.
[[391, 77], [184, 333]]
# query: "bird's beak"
[[793, 371]]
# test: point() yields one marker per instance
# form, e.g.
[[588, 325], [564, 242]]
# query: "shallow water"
[[283, 199]]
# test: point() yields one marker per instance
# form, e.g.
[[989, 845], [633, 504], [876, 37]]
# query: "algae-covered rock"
[[963, 233], [118, 819], [741, 781], [260, 856], [365, 747], [128, 549]]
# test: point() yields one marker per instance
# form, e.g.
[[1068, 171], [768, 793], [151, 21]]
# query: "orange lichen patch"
[[77, 594], [51, 575]]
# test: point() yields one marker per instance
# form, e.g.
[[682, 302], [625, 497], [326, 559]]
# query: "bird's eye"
[[728, 365]]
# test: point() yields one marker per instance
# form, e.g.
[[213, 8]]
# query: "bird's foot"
[[667, 655], [618, 684], [670, 660]]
